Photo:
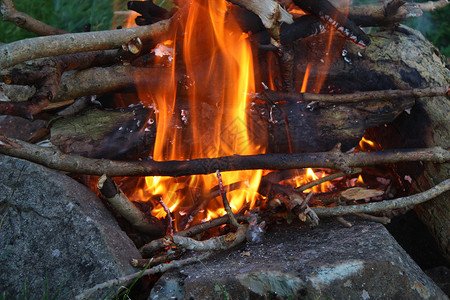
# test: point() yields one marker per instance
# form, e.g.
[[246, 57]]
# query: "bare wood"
[[25, 21], [383, 14], [354, 97], [325, 179], [199, 228], [382, 220], [385, 205], [126, 280], [28, 49], [432, 5], [127, 209], [333, 159], [225, 202], [154, 261], [222, 242]]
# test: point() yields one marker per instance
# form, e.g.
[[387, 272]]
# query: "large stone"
[[55, 233], [328, 262]]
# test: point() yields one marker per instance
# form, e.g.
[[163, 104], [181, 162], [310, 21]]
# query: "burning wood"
[[211, 115]]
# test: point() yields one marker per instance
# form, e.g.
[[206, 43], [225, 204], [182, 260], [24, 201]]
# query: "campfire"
[[236, 114]]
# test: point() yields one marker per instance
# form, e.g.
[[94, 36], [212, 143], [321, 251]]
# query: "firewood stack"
[[369, 85]]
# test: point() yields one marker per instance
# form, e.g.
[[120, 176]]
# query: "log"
[[427, 124], [115, 134]]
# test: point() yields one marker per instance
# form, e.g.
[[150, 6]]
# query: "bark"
[[113, 134], [127, 209], [427, 124], [20, 19], [332, 160], [46, 46], [433, 192]]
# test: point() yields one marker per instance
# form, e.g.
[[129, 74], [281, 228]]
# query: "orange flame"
[[218, 60]]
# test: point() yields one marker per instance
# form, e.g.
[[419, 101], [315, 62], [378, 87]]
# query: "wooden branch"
[[45, 74], [127, 209], [273, 96], [269, 11], [126, 280], [96, 81], [199, 228], [28, 49], [154, 261], [20, 19], [222, 242], [325, 179], [432, 5], [333, 160], [386, 14], [384, 205], [382, 220], [226, 204]]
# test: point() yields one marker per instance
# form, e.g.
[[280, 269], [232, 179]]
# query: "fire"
[[217, 59], [205, 116]]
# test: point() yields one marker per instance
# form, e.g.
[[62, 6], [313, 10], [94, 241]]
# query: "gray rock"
[[55, 233], [293, 262]]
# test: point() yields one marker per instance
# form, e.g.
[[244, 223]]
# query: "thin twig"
[[325, 179], [25, 21], [169, 215], [274, 96], [333, 160], [226, 204], [46, 46], [344, 222], [382, 220], [432, 5], [384, 205], [126, 280]]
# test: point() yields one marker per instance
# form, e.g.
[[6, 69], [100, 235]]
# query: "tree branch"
[[384, 205], [273, 96], [27, 22], [126, 280], [46, 46], [333, 159], [127, 209]]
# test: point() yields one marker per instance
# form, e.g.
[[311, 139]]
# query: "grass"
[[65, 14]]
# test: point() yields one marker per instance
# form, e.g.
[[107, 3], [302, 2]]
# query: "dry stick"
[[332, 159], [222, 242], [126, 208], [432, 5], [154, 261], [325, 179], [199, 228], [226, 204], [20, 19], [45, 74], [384, 205], [344, 222], [169, 215], [28, 49], [382, 220], [126, 280], [274, 96]]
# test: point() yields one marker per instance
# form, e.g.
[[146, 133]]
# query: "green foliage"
[[65, 14], [436, 28]]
